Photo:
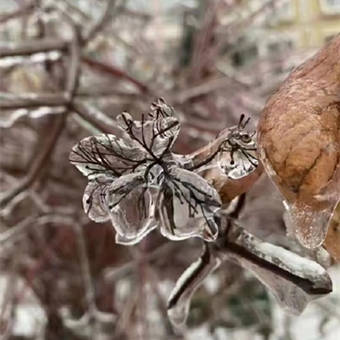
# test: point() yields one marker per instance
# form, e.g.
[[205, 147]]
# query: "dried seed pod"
[[299, 143]]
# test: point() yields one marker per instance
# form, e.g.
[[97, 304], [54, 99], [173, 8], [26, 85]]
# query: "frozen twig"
[[99, 26], [94, 116], [113, 71], [86, 271], [304, 273], [292, 279], [187, 284], [73, 72], [41, 159], [17, 13], [57, 123], [14, 233], [32, 100], [124, 269], [32, 47]]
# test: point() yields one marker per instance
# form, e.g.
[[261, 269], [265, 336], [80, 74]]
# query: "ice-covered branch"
[[293, 280]]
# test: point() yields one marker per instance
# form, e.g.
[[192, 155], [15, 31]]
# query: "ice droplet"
[[309, 223]]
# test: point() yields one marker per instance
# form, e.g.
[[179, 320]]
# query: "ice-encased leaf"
[[293, 280], [188, 206], [152, 136], [132, 208], [237, 158], [160, 109], [240, 165], [107, 154], [94, 199], [187, 284]]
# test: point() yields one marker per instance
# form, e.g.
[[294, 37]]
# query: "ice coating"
[[289, 296], [137, 182], [187, 206], [310, 225], [131, 208], [192, 278], [105, 154], [154, 136], [94, 199], [293, 280], [310, 216], [237, 157], [238, 167]]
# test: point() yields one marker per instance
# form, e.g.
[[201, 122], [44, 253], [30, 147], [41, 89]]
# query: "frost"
[[302, 267]]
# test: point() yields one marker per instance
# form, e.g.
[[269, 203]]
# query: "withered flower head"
[[138, 183]]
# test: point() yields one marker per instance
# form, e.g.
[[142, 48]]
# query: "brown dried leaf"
[[299, 142], [228, 188]]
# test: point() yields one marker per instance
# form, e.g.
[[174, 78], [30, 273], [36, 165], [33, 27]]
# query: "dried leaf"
[[299, 143], [245, 164]]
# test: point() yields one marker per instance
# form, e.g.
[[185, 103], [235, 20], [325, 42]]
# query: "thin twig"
[[113, 71], [14, 233], [22, 11], [32, 100], [40, 160], [86, 271], [99, 26], [95, 117], [73, 72], [124, 269], [31, 47]]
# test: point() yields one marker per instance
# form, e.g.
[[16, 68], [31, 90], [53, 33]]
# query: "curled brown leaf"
[[299, 142]]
